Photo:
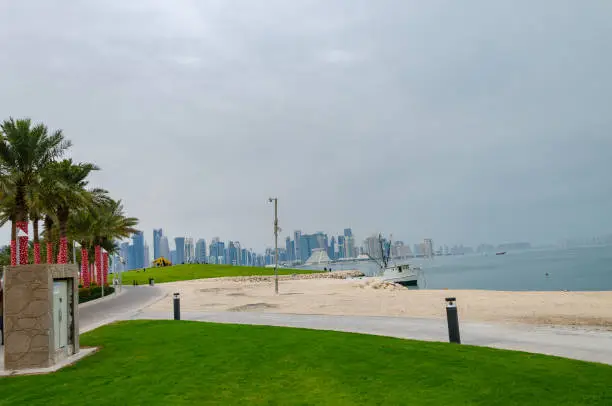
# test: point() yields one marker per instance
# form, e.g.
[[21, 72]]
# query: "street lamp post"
[[275, 200]]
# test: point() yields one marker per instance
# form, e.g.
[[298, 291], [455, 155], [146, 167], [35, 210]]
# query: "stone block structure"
[[40, 315]]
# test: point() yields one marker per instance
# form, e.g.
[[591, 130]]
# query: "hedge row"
[[93, 292]]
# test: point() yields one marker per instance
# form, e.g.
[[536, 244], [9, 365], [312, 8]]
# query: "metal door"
[[60, 313]]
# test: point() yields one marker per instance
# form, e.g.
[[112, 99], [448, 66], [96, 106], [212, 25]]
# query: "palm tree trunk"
[[13, 241], [36, 241], [105, 268], [21, 220], [98, 254], [62, 255], [85, 266], [49, 238]]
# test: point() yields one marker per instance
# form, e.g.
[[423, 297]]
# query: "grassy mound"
[[200, 271], [173, 363]]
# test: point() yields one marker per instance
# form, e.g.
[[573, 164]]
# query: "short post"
[[134, 282], [453, 320], [177, 306], [151, 282]]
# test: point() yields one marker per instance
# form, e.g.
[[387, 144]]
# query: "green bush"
[[94, 292]]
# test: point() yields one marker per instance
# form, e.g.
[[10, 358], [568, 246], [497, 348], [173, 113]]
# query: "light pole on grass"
[[276, 229]]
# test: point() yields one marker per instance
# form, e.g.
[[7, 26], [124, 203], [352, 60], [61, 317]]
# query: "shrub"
[[94, 292]]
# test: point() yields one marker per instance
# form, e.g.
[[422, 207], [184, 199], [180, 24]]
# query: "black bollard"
[[177, 307], [453, 320], [134, 282]]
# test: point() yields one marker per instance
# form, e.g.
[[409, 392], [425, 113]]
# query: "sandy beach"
[[309, 294]]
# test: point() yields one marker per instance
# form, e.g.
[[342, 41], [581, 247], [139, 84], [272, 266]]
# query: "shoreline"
[[369, 296]]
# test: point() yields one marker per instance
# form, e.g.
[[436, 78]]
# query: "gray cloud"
[[466, 122]]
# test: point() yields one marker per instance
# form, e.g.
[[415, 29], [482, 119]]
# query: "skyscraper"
[[428, 249], [290, 252], [189, 250], [164, 247], [331, 250], [200, 251], [297, 236], [232, 253], [349, 246], [173, 257], [341, 249], [348, 232], [145, 263], [157, 234], [137, 251], [179, 243], [124, 250]]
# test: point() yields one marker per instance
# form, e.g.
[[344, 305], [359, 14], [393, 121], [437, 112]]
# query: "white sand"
[[370, 297]]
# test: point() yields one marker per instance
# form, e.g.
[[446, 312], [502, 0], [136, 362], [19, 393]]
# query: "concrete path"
[[582, 344], [124, 305]]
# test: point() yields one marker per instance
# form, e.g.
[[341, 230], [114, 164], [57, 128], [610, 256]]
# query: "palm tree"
[[81, 223], [70, 194], [110, 224], [97, 227], [25, 150]]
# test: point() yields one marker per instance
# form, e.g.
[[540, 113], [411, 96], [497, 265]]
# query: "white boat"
[[401, 274]]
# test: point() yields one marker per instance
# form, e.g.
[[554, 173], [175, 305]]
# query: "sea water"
[[584, 268]]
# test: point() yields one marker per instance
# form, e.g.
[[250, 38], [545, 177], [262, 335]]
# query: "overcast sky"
[[463, 121]]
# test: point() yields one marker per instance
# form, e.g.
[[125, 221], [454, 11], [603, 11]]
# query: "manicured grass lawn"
[[173, 363], [200, 271]]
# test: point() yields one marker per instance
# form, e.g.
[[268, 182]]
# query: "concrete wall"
[[28, 318]]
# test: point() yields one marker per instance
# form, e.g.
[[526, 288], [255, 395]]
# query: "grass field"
[[200, 271], [173, 363]]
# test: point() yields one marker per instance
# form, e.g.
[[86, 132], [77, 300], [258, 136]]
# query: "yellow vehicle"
[[161, 261]]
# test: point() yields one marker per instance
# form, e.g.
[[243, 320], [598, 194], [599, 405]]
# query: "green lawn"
[[200, 271], [173, 363]]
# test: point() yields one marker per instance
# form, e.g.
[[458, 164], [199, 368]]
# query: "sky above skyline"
[[465, 122]]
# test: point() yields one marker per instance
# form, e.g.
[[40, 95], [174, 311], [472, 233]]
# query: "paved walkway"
[[126, 303], [582, 344]]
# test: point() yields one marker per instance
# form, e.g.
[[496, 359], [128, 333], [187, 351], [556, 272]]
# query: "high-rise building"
[[173, 257], [371, 247], [137, 251], [232, 253], [331, 250], [348, 232], [189, 250], [349, 247], [217, 252], [179, 243], [146, 262], [157, 234], [164, 247], [124, 250], [428, 249], [297, 237], [200, 251], [290, 252]]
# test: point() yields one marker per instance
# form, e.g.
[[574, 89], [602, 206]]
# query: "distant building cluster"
[[298, 249]]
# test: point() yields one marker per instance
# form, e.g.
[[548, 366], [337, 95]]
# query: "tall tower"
[[179, 243], [157, 234]]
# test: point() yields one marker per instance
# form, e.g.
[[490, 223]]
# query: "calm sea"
[[585, 268]]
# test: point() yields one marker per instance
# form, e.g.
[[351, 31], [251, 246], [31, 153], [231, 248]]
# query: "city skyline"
[[297, 248]]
